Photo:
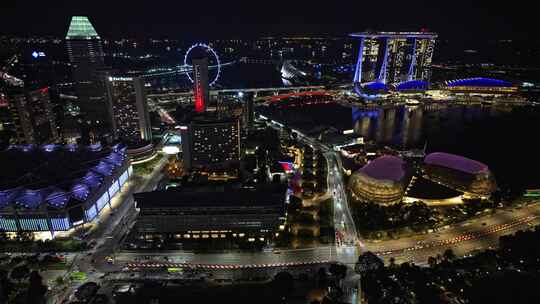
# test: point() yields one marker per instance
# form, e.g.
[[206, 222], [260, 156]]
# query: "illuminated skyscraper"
[[85, 51], [128, 105], [249, 115], [394, 57], [208, 142], [33, 117], [200, 81]]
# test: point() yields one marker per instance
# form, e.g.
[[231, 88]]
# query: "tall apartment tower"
[[85, 51], [208, 142], [129, 109], [248, 110], [33, 117]]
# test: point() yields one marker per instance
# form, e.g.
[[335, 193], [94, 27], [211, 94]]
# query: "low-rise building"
[[219, 212]]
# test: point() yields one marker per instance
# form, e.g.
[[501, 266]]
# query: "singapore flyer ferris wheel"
[[213, 58]]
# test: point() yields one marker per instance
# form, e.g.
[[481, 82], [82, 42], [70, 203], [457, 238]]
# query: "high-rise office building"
[[85, 51], [394, 57], [33, 116], [200, 81], [208, 141], [247, 98], [128, 105]]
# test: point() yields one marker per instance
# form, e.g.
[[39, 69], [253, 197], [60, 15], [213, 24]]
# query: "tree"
[[322, 277], [25, 236], [392, 262], [449, 255], [20, 272], [432, 262], [295, 202], [367, 262], [59, 280], [283, 283], [36, 289], [338, 270]]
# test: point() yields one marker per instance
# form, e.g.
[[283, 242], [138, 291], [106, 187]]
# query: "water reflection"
[[408, 127]]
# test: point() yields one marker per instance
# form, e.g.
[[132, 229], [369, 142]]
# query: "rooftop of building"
[[386, 167], [54, 174], [226, 196], [455, 162], [81, 28], [412, 85], [478, 82], [212, 118]]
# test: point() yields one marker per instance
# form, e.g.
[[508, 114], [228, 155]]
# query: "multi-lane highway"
[[463, 238]]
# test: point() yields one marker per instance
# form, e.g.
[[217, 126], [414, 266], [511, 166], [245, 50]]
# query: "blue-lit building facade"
[[480, 85], [45, 199], [393, 61]]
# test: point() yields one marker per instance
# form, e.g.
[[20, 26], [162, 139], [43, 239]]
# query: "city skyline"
[[275, 152]]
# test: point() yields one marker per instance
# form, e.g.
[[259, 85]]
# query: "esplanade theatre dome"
[[381, 181]]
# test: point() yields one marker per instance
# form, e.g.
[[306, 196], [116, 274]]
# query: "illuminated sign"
[[37, 54]]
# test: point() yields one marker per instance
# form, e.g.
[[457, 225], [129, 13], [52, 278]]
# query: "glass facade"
[[30, 224], [60, 224], [113, 189], [8, 224], [102, 201], [127, 98], [40, 222], [91, 213], [123, 178]]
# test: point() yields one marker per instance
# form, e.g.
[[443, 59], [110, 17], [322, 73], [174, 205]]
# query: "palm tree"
[[432, 262]]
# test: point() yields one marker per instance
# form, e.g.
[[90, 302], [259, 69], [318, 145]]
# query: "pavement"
[[111, 227]]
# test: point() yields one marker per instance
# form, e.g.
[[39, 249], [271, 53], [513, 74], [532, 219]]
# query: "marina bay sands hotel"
[[397, 60]]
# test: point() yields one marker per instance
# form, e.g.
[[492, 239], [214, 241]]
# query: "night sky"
[[228, 19]]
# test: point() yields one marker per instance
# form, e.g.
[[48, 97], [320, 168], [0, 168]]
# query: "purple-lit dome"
[[71, 147], [92, 179], [381, 181], [375, 86], [49, 147], [57, 198], [460, 173], [7, 196], [386, 167], [80, 191], [103, 168], [478, 82], [115, 159], [412, 85], [29, 199], [456, 162], [95, 147], [120, 148]]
